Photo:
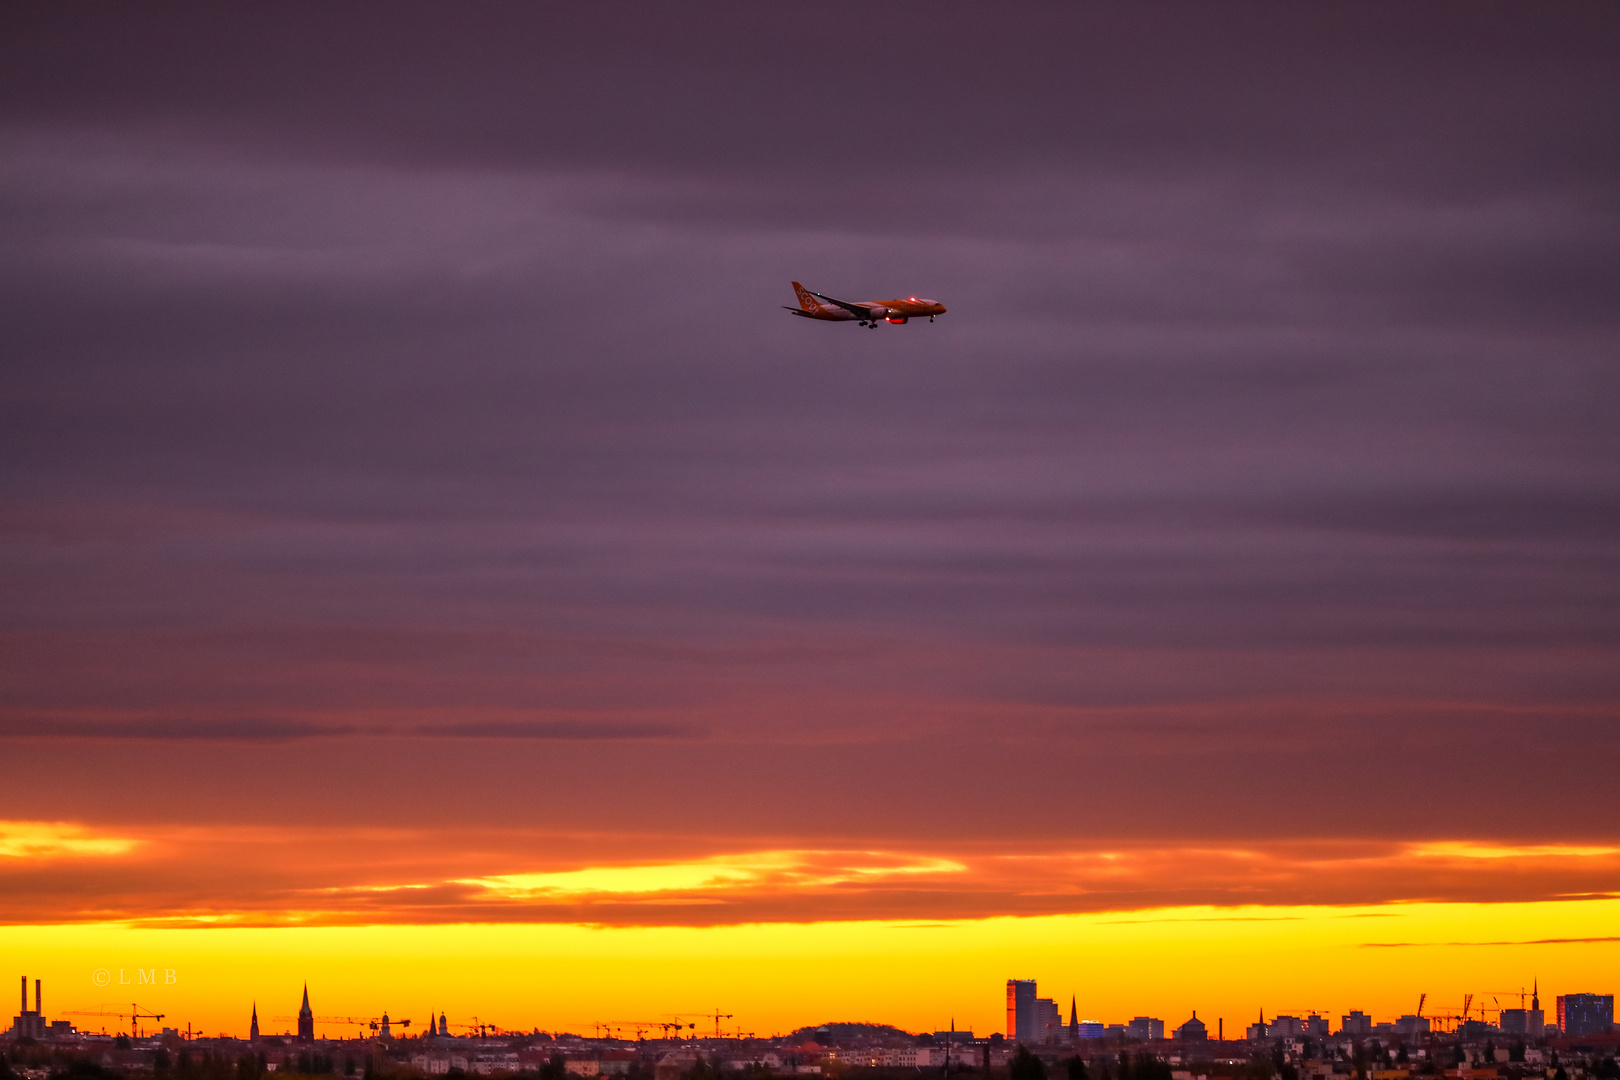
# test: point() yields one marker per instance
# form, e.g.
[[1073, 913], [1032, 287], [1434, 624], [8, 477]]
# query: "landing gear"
[[862, 323], [930, 318]]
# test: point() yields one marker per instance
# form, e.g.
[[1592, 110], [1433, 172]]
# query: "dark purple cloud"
[[425, 375]]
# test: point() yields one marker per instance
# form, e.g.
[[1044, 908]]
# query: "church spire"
[[253, 1027], [306, 1018], [1535, 994]]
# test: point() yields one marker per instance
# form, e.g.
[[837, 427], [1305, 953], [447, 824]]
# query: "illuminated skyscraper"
[[1585, 1014], [1021, 1011]]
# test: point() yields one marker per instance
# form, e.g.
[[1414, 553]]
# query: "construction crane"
[[1521, 992], [612, 1027], [1440, 1021], [716, 1016], [482, 1029], [1468, 1005], [135, 1013], [374, 1023]]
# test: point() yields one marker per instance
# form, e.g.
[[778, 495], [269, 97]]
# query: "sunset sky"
[[433, 565]]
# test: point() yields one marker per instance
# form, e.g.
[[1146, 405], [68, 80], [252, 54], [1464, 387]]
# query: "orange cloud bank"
[[58, 873]]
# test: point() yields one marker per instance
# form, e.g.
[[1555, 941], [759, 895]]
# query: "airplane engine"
[[878, 313]]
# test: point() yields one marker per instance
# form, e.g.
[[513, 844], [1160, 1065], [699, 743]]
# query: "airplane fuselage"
[[866, 312]]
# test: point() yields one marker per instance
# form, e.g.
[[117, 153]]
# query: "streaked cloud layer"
[[416, 508], [50, 840], [329, 876]]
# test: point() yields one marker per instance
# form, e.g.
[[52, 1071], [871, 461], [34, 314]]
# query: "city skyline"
[[1030, 1020], [567, 978]]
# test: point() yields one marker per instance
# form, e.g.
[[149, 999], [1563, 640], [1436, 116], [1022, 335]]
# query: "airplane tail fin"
[[807, 302]]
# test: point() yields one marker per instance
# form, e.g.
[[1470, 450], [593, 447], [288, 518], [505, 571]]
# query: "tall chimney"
[[25, 993], [36, 998]]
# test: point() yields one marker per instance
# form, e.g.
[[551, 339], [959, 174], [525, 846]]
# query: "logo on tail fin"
[[807, 302]]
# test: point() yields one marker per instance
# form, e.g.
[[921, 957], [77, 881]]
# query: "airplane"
[[868, 312]]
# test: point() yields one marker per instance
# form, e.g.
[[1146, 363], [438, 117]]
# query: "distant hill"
[[848, 1032]]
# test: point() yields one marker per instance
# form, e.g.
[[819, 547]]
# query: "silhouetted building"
[[1528, 1023], [1145, 1027], [253, 1025], [1357, 1023], [30, 1023], [1021, 1010], [1585, 1014], [1048, 1021], [306, 1019], [1193, 1030], [1535, 1021]]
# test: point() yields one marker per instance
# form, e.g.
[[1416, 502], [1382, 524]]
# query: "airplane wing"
[[860, 309]]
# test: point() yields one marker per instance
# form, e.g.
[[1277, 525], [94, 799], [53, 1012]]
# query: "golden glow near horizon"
[[800, 868], [1458, 850], [56, 839], [1225, 962], [353, 917]]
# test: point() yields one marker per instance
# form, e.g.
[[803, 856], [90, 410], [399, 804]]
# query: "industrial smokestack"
[[25, 994], [36, 998]]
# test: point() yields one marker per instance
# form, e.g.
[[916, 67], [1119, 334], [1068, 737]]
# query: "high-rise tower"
[[306, 1019], [1585, 1014], [1021, 1011]]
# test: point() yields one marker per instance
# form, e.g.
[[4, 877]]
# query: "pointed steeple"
[[253, 1027], [1074, 1016], [1535, 994], [306, 1018]]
